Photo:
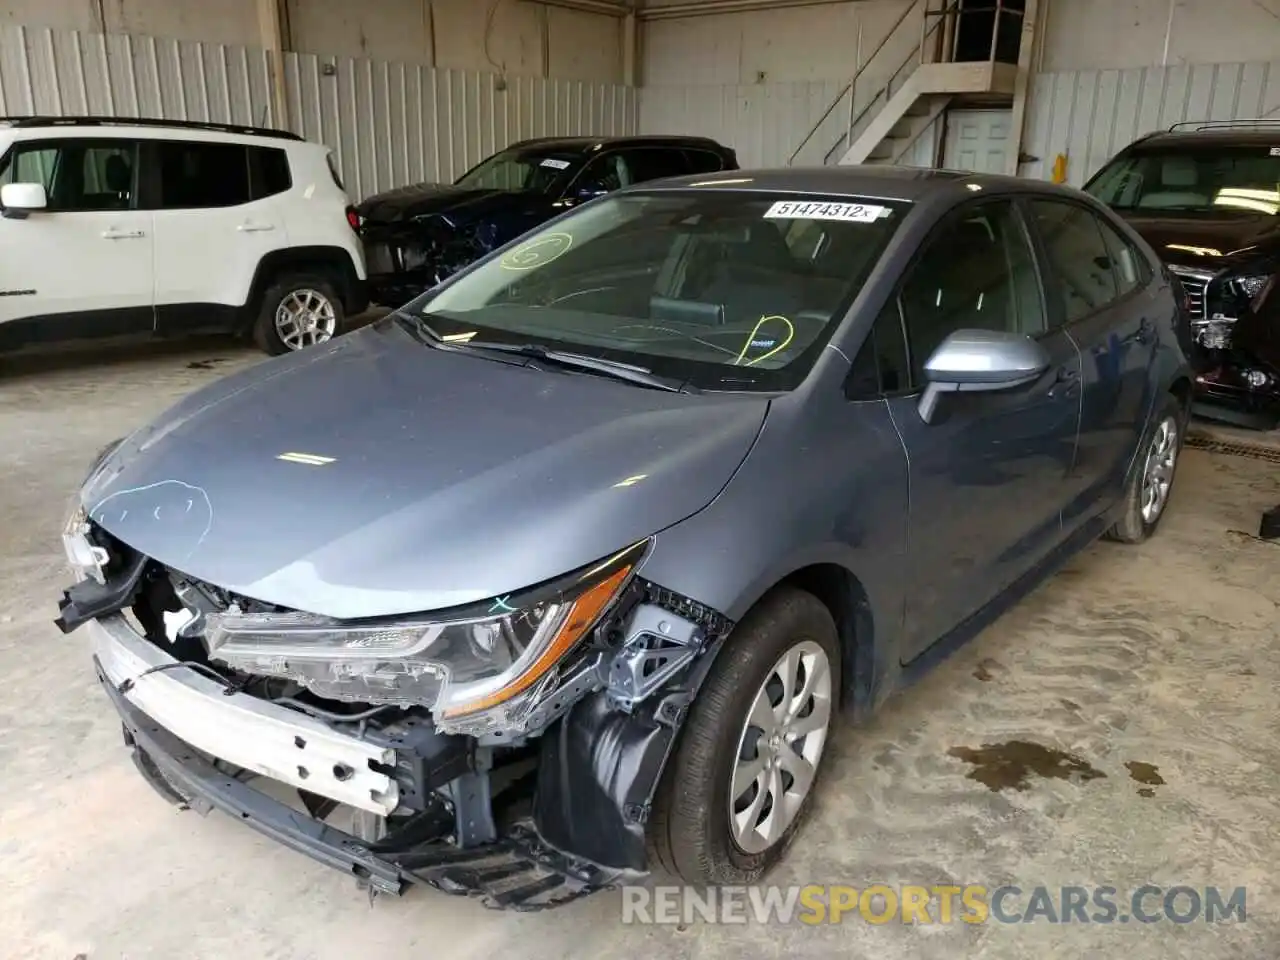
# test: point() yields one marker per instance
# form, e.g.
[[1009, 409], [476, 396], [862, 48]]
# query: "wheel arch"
[[333, 263], [847, 599]]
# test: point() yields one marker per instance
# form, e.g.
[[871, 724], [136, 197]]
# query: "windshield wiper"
[[610, 368], [577, 361]]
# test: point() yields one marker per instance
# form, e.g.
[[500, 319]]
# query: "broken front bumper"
[[185, 729]]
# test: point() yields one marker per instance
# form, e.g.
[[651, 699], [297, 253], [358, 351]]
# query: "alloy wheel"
[[305, 318], [780, 747], [1157, 473]]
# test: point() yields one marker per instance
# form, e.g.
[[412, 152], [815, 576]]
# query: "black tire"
[[1133, 526], [266, 333], [688, 834]]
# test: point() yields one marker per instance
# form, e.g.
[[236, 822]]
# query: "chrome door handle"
[[114, 234], [255, 227]]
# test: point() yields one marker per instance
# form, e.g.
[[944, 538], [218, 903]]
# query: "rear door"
[[211, 232], [83, 266], [1103, 297]]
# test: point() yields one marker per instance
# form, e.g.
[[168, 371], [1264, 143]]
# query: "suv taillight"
[[353, 219]]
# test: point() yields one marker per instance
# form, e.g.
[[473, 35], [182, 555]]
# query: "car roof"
[[144, 126], [1262, 136], [883, 182], [585, 144]]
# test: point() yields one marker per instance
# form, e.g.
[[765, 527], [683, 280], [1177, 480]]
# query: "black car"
[[417, 236], [1207, 197]]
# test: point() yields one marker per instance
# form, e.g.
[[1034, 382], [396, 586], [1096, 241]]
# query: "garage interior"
[[1156, 665]]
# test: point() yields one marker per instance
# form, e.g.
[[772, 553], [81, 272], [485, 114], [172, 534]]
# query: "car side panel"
[[314, 210], [826, 483]]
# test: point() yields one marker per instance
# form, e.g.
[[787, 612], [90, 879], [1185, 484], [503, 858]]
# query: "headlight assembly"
[[480, 669], [1249, 287]]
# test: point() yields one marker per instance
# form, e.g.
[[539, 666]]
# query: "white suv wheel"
[[304, 318]]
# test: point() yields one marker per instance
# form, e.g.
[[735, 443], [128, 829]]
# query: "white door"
[[978, 140], [82, 267], [210, 234]]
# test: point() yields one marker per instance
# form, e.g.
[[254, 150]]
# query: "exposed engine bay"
[[540, 801], [406, 258]]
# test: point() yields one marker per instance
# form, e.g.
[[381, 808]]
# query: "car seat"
[[1179, 186]]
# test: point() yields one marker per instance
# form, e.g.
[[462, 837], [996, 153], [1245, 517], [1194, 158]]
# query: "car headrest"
[[686, 311], [119, 175], [1178, 172]]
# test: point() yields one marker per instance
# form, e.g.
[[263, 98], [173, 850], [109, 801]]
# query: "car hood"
[[378, 476], [1207, 243], [425, 199]]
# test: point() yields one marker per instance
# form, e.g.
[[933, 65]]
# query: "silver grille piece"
[[1195, 283]]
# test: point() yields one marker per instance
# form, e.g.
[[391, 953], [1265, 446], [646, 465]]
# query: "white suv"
[[111, 227]]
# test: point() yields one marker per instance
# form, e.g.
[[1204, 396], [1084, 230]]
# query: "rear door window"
[[1131, 268], [655, 163], [196, 176], [1084, 281], [268, 172], [703, 161]]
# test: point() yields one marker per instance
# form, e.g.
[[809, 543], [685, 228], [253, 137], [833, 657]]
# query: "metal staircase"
[[907, 84]]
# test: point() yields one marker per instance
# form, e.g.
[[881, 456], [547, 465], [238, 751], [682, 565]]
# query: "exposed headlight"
[[497, 659], [85, 558], [1214, 334], [1249, 287]]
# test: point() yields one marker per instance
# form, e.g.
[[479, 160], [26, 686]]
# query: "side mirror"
[[971, 361], [17, 200]]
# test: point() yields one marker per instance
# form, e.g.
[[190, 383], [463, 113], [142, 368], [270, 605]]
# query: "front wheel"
[[1151, 485], [742, 778], [297, 311]]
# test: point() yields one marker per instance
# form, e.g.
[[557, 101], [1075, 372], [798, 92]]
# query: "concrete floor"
[[1166, 654]]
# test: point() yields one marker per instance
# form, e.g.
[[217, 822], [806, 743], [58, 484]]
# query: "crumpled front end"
[[406, 258], [521, 785], [1235, 328]]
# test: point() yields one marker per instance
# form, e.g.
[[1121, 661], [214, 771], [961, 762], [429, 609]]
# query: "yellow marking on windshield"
[[537, 252], [778, 348], [308, 459], [458, 337]]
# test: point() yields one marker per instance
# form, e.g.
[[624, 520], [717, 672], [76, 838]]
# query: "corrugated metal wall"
[[764, 122], [389, 123], [396, 123], [1090, 115]]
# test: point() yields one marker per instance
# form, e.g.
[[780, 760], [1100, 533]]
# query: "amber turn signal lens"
[[585, 611]]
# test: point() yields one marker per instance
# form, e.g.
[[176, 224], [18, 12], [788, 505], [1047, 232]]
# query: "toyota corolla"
[[564, 571]]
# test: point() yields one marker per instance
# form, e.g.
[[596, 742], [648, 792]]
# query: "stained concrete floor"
[[1167, 654]]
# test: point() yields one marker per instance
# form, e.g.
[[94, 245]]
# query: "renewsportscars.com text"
[[816, 904]]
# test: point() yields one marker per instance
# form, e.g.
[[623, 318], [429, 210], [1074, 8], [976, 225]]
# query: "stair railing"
[[849, 90]]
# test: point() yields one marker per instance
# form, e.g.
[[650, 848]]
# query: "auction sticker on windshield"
[[819, 210], [555, 164]]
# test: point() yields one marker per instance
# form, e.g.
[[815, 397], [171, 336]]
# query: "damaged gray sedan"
[[561, 573]]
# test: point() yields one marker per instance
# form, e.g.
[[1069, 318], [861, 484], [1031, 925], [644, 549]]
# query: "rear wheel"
[[742, 778], [1151, 485], [297, 311]]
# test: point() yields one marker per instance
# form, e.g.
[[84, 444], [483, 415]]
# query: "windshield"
[[1193, 178], [533, 170], [722, 290]]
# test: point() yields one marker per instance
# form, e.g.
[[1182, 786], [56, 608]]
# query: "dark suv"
[[1206, 196], [417, 236]]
